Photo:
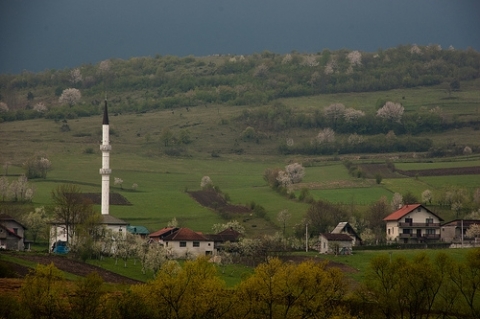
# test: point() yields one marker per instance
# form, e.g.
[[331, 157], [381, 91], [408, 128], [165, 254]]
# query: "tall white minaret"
[[105, 171]]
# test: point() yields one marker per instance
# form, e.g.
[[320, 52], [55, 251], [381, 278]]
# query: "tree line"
[[164, 82], [394, 287]]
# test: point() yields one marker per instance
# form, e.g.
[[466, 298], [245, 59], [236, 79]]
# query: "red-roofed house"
[[412, 223], [335, 244], [185, 242]]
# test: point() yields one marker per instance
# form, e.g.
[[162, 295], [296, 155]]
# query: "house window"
[[429, 221], [407, 231], [419, 209], [430, 231], [388, 231], [196, 244], [15, 230], [183, 244], [408, 220]]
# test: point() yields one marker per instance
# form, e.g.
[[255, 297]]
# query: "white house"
[[413, 223], [184, 242], [58, 229], [335, 244]]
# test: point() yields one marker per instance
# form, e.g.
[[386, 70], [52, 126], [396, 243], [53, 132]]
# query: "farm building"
[[138, 231], [12, 234], [455, 231], [413, 223], [335, 244]]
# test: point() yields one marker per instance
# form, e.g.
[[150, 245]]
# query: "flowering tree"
[[40, 107], [75, 76], [397, 201], [287, 58], [355, 139], [355, 58], [206, 182], [3, 107], [284, 179], [391, 111], [427, 196], [105, 66], [415, 49], [326, 136], [118, 181], [331, 67], [473, 231], [233, 224], [310, 61], [70, 96], [261, 70], [351, 114], [296, 172]]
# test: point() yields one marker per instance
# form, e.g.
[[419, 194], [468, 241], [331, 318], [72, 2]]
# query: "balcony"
[[423, 236], [423, 225]]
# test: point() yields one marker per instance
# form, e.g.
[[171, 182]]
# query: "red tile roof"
[[185, 234], [161, 232], [406, 210]]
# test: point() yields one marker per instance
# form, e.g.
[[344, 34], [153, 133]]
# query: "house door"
[[419, 233]]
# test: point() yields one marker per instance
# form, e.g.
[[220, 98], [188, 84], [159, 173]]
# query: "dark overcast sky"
[[40, 34]]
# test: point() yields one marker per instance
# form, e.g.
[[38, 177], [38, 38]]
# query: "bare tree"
[[70, 207], [334, 112], [283, 217]]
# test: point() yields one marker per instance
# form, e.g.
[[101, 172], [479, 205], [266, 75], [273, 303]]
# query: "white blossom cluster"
[[70, 96], [326, 135], [391, 111]]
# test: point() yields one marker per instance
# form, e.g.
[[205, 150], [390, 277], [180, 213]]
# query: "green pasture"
[[361, 196], [430, 164]]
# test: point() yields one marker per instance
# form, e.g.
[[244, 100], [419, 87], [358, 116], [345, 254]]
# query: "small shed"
[[338, 244], [138, 230]]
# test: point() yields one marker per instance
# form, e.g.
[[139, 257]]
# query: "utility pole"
[[306, 237]]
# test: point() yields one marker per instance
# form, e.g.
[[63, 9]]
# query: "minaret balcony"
[[105, 148], [105, 171]]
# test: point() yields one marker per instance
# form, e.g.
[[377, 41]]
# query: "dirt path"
[[71, 266]]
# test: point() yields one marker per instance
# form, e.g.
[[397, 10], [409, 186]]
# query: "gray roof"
[[138, 230], [111, 220]]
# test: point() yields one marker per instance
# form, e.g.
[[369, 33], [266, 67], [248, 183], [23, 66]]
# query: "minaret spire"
[[105, 171]]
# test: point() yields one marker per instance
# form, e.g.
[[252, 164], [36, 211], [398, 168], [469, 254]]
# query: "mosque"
[[58, 229]]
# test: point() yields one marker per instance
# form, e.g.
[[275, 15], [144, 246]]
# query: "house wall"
[[12, 242], [419, 216], [205, 248], [58, 232], [326, 246]]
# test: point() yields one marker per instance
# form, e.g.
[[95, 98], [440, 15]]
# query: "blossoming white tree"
[[325, 136], [70, 96], [296, 172], [355, 58], [40, 107], [75, 76], [3, 107], [427, 196], [206, 182], [118, 181], [351, 114], [391, 111]]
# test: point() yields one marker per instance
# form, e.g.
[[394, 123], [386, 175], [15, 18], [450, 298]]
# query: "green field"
[[235, 165]]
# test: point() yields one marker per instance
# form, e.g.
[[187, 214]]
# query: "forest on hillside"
[[142, 84]]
